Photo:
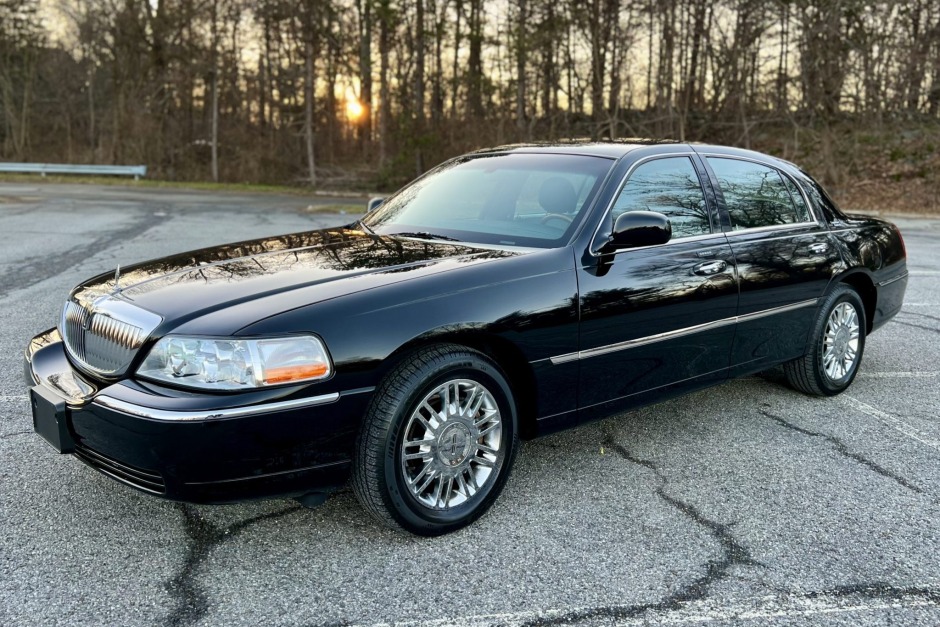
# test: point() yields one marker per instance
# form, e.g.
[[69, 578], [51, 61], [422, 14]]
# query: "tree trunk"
[[364, 8], [690, 99], [455, 74], [214, 78], [475, 60], [549, 34], [309, 82], [437, 89], [933, 96], [782, 69], [823, 56], [522, 17], [419, 45], [92, 135], [215, 125], [385, 18]]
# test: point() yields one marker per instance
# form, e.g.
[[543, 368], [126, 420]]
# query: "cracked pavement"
[[744, 504]]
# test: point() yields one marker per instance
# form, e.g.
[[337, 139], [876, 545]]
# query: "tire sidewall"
[[840, 295], [408, 512]]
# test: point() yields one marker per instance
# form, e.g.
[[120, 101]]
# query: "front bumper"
[[195, 447]]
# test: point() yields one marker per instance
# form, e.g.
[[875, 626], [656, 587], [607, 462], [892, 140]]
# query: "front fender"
[[528, 302]]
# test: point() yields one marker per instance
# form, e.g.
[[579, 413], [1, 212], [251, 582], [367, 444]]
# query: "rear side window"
[[672, 187], [755, 195], [820, 199], [802, 211]]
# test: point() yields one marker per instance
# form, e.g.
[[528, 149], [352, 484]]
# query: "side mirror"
[[375, 202], [634, 229]]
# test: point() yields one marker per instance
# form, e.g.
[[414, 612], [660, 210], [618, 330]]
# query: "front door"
[[658, 318]]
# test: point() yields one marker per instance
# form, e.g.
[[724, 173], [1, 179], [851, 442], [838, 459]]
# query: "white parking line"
[[769, 607], [912, 374], [892, 421], [927, 374]]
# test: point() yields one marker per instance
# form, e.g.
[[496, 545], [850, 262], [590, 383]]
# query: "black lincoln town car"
[[508, 293]]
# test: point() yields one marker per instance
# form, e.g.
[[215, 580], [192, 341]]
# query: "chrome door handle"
[[819, 248], [709, 268]]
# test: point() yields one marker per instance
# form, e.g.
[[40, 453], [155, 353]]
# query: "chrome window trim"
[[691, 238], [170, 415], [809, 205], [777, 227], [669, 335], [593, 249]]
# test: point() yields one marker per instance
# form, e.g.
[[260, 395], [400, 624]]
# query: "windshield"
[[513, 199]]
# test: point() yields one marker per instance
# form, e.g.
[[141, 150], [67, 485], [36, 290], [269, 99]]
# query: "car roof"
[[617, 148], [596, 148]]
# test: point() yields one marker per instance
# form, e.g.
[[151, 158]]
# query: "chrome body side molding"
[[892, 280], [669, 335]]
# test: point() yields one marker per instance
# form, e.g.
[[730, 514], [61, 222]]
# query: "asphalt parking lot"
[[746, 504]]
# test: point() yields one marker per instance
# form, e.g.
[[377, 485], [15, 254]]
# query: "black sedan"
[[507, 294]]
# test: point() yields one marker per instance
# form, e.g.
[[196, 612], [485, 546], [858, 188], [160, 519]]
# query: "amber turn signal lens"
[[294, 373]]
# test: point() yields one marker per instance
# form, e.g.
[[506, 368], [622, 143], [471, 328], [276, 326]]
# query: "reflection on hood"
[[276, 263]]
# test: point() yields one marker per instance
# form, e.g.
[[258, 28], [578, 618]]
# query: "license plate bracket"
[[50, 418]]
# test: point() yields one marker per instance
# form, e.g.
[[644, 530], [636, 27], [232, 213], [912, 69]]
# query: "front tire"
[[437, 441], [837, 345]]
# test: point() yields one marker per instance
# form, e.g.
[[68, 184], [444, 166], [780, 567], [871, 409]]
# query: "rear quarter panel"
[[874, 247]]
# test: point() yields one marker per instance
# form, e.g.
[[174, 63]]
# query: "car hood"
[[327, 263]]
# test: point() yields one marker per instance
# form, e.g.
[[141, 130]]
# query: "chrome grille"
[[105, 338]]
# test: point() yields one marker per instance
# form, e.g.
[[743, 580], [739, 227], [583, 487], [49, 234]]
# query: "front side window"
[[669, 186], [755, 195], [518, 199]]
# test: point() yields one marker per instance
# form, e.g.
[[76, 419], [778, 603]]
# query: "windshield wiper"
[[426, 235], [365, 227]]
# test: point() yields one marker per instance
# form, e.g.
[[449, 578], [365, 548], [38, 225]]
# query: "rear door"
[[660, 316], [784, 254]]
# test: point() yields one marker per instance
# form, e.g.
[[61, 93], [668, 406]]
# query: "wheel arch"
[[863, 284], [510, 359]]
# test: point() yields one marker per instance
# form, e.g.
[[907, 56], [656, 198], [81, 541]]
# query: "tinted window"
[[818, 196], [802, 211], [755, 195], [669, 186], [517, 199]]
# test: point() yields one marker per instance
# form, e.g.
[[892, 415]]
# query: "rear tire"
[[437, 441], [836, 347]]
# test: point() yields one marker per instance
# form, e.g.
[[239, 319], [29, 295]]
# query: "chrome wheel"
[[452, 444], [840, 341]]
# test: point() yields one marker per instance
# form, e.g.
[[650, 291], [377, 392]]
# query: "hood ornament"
[[117, 281]]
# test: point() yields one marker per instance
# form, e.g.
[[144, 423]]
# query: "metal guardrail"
[[136, 171]]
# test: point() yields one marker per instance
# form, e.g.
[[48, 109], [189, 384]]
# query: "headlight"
[[236, 364]]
